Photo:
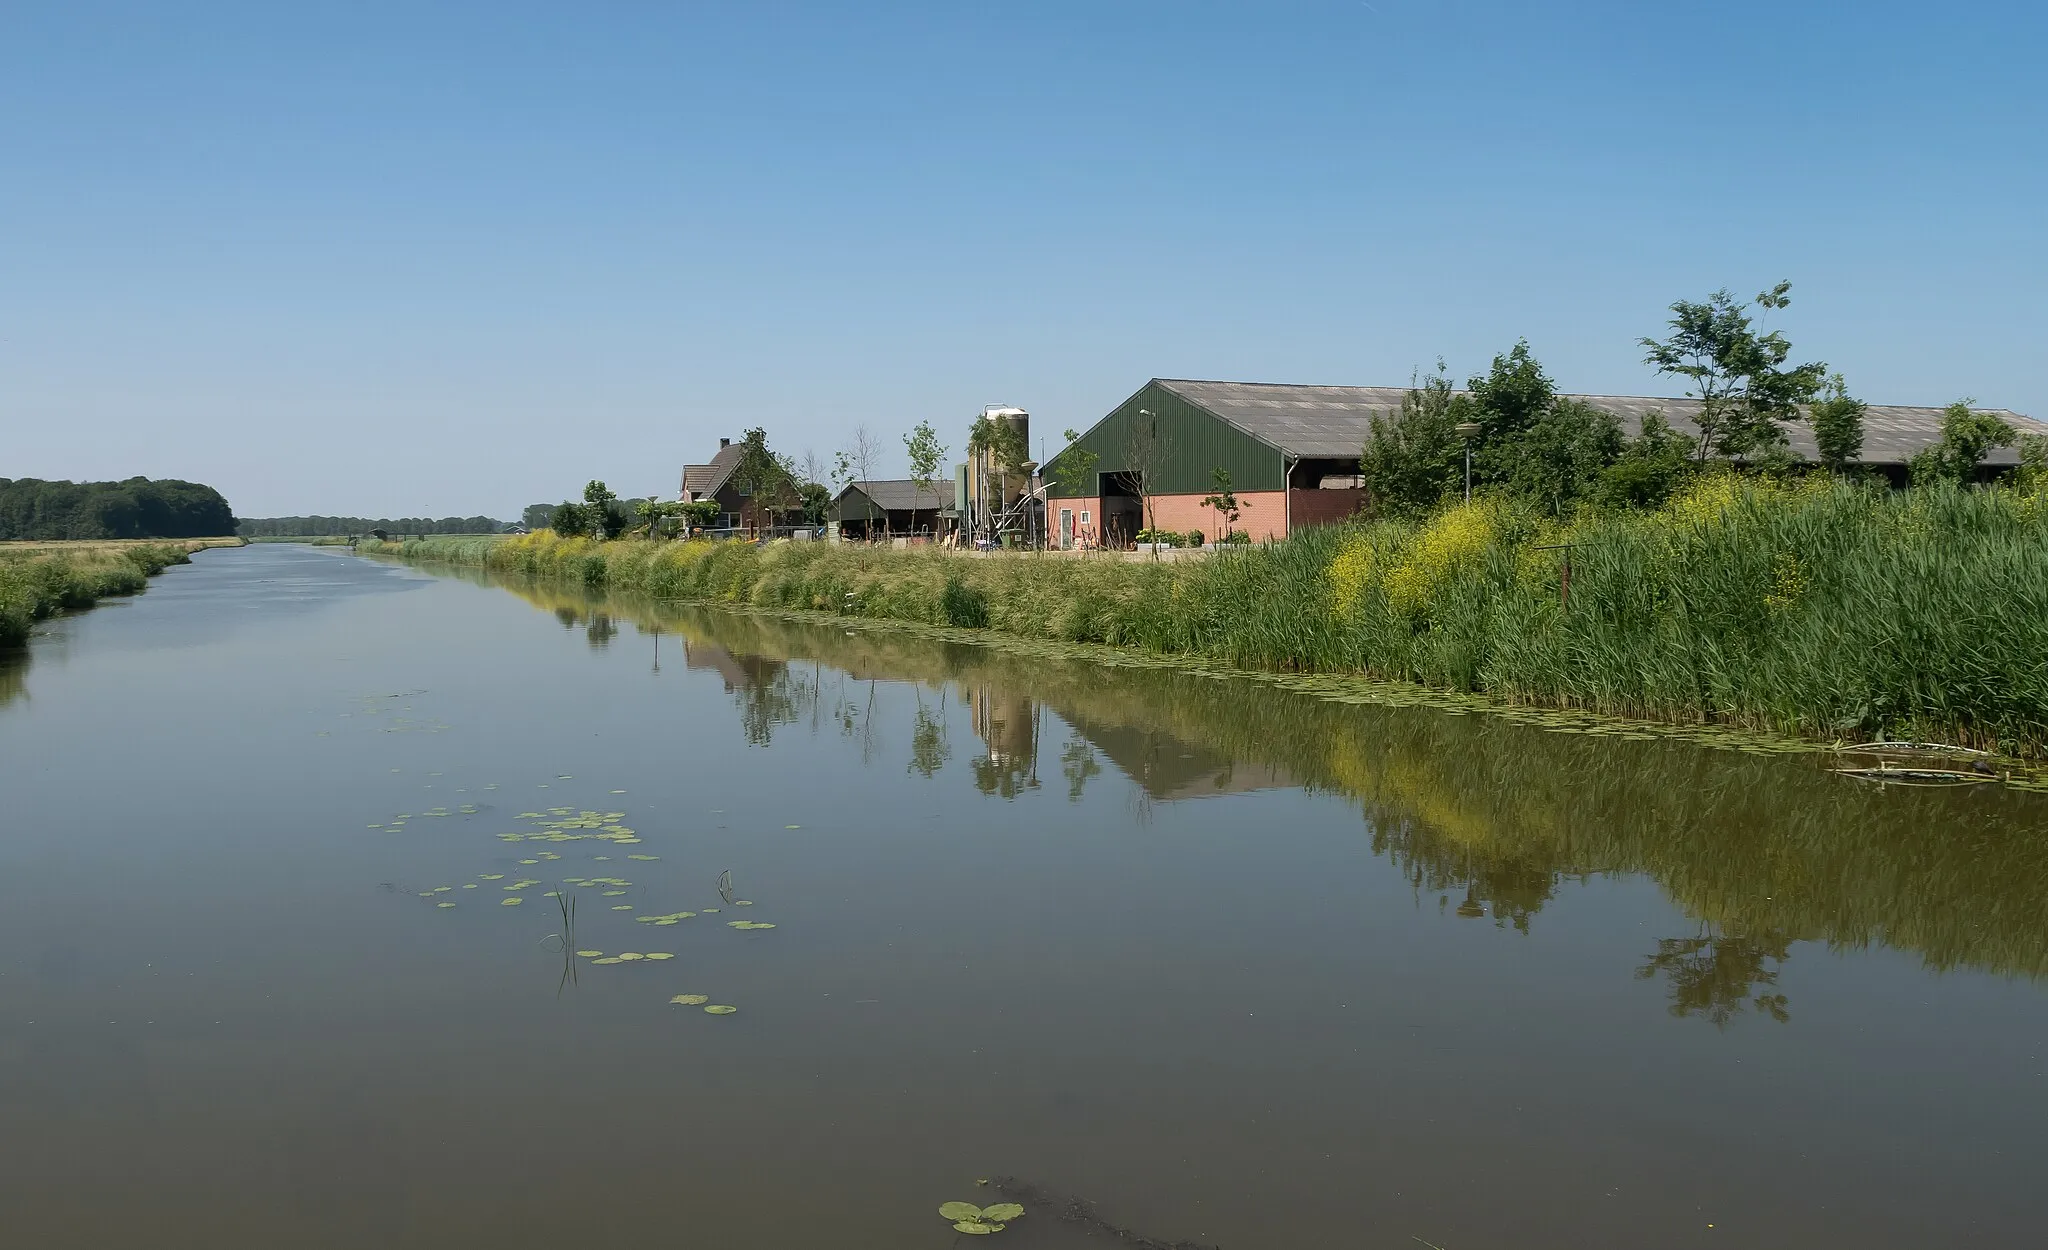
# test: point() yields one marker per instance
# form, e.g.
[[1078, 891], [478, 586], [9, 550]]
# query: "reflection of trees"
[[569, 617], [775, 696], [1760, 850], [600, 632], [1712, 977], [929, 749], [13, 674], [1078, 766]]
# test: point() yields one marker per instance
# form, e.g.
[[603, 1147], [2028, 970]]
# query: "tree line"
[[321, 526], [135, 508], [1527, 441]]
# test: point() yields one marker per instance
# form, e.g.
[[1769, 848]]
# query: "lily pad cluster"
[[980, 1221], [569, 825]]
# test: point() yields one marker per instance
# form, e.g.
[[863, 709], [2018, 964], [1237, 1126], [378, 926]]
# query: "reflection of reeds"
[[1818, 609], [565, 903]]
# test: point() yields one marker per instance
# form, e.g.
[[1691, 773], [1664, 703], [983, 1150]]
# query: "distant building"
[[893, 506], [1292, 453]]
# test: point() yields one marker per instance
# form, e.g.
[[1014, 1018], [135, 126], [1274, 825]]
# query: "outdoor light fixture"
[[1468, 430]]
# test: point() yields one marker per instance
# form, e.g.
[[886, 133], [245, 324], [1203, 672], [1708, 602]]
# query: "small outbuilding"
[[896, 507]]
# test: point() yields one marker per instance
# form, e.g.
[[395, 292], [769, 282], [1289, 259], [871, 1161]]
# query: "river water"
[[1239, 966]]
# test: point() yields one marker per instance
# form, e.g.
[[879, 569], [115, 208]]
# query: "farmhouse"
[[1292, 453]]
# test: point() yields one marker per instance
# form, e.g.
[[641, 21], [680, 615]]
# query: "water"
[[1240, 966]]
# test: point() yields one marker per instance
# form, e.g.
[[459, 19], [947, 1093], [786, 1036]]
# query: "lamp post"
[[1468, 430]]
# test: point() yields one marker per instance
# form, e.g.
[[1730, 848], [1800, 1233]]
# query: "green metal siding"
[[1197, 443]]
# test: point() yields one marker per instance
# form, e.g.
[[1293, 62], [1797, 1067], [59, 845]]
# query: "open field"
[[31, 545]]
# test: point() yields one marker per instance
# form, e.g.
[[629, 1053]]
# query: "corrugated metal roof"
[[1333, 421], [703, 480], [902, 494]]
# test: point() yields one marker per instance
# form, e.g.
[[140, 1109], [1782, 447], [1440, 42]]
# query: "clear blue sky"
[[435, 258]]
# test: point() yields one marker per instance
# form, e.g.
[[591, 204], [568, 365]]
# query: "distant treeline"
[[136, 508], [317, 526]]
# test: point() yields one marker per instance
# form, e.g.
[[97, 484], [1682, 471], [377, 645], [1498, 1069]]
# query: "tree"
[[536, 516], [602, 509], [569, 520], [699, 513], [927, 453], [1224, 501], [1650, 466], [998, 448], [1074, 468], [855, 464], [1558, 459], [1745, 390], [1147, 448], [1967, 436], [651, 512], [761, 477], [2033, 471], [1837, 421], [1412, 460], [1513, 396]]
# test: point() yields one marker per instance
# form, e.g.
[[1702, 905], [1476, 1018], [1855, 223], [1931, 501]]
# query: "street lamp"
[[1468, 430]]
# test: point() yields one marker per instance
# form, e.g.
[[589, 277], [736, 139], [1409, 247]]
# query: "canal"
[[289, 842]]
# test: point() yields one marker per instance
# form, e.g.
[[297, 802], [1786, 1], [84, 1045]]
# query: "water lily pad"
[[709, 910], [492, 876], [622, 907], [959, 1211], [667, 922], [691, 1000], [661, 954], [613, 893], [514, 901], [978, 1230], [608, 959], [529, 861], [743, 902], [470, 886], [1002, 1212], [643, 857], [631, 955], [444, 904], [720, 1010], [588, 954]]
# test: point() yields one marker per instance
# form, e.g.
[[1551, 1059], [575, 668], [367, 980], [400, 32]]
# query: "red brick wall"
[[1325, 507], [1262, 514], [1093, 525]]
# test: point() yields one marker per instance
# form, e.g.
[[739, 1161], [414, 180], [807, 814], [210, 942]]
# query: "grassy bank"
[[39, 580], [1820, 609]]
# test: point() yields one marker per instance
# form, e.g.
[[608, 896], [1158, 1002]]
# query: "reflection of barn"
[[896, 506], [1007, 724], [1167, 768]]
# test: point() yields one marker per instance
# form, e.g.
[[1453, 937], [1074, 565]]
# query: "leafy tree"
[[536, 516], [135, 508], [815, 498], [570, 519], [927, 453], [2033, 471], [1074, 468], [602, 510], [998, 445], [1837, 426], [651, 512], [1967, 436], [1739, 375], [1650, 467], [1560, 457], [699, 513], [1507, 402], [1413, 459], [761, 477], [1224, 501]]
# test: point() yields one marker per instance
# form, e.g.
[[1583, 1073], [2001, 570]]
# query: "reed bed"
[[41, 580], [1818, 608]]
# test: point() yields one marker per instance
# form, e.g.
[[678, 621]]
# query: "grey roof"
[[1333, 421], [702, 480], [902, 494]]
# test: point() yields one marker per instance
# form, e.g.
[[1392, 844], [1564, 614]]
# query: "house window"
[[1084, 516]]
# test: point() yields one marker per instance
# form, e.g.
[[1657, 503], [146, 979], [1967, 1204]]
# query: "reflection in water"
[[13, 674], [1763, 851]]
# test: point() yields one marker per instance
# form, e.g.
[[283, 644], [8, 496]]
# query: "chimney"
[[724, 443]]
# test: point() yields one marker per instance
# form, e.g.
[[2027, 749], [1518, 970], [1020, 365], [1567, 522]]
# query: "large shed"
[[1292, 453], [893, 506]]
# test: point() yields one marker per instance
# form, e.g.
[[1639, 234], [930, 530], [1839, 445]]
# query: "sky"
[[443, 259]]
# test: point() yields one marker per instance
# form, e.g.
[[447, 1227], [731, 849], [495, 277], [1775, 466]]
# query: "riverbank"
[[40, 579], [1819, 610]]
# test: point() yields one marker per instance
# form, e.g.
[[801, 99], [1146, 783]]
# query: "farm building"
[[897, 506], [714, 481], [1292, 453]]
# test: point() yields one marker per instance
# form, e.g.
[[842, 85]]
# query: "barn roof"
[[901, 494], [1332, 421]]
